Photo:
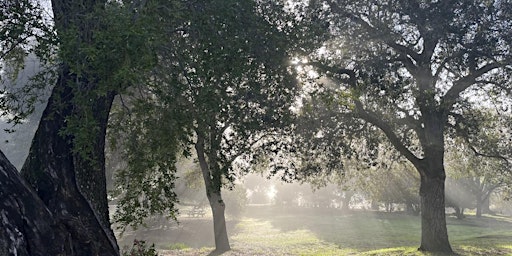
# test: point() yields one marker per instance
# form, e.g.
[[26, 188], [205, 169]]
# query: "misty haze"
[[268, 127]]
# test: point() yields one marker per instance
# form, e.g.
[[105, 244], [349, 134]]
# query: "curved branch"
[[374, 119], [465, 82]]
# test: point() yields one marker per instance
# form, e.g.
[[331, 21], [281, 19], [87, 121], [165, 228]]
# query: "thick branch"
[[409, 56], [443, 63], [465, 82], [374, 119]]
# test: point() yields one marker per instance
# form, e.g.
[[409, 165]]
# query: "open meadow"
[[265, 230]]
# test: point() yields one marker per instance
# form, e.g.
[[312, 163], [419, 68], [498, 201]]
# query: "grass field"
[[277, 231]]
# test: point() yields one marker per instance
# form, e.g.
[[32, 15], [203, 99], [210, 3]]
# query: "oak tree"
[[413, 71]]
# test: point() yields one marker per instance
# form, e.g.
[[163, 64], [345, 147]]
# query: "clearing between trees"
[[268, 230]]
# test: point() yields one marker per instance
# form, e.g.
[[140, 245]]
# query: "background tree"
[[477, 176], [458, 196], [224, 88], [393, 185], [409, 70]]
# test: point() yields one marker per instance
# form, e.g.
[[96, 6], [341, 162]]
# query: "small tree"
[[223, 89]]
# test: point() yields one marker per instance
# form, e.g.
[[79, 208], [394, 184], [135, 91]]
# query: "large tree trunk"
[[91, 174], [214, 197], [72, 183], [26, 225], [51, 169], [434, 234]]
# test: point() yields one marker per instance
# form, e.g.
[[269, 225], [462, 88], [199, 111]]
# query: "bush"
[[140, 248]]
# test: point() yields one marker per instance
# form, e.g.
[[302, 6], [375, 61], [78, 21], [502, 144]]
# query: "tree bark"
[[74, 188], [434, 234], [214, 196], [27, 227], [219, 222], [51, 170]]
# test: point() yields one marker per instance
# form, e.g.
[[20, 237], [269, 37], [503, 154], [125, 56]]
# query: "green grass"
[[267, 231], [176, 246]]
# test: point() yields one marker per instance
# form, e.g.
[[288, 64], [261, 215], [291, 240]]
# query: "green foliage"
[[400, 71], [24, 29], [26, 34], [118, 52], [221, 75]]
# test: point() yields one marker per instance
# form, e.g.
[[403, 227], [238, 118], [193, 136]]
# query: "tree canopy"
[[243, 83], [414, 72], [223, 88]]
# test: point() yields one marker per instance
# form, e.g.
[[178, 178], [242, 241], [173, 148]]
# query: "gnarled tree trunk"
[[71, 185], [27, 227], [52, 171], [434, 234]]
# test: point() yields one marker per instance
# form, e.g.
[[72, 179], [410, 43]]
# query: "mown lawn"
[[277, 231]]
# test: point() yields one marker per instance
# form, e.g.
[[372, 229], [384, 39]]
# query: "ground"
[[268, 230]]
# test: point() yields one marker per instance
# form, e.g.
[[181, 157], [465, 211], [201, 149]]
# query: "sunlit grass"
[[293, 232], [176, 246], [263, 236]]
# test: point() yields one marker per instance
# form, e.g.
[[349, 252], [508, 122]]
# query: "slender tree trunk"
[[412, 208], [479, 205], [459, 212], [215, 199], [434, 234], [483, 202], [219, 222], [486, 206], [346, 200]]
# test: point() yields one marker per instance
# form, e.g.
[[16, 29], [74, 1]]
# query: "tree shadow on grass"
[[360, 230], [368, 231]]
